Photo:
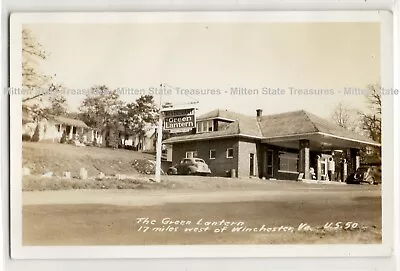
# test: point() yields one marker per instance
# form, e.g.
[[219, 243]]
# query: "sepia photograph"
[[151, 130]]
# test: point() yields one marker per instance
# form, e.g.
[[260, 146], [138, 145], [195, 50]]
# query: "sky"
[[217, 56]]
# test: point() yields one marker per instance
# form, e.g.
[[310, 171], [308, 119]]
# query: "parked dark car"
[[190, 166], [366, 174]]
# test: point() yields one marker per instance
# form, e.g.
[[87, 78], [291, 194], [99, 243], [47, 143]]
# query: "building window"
[[191, 154], [205, 126], [229, 153], [210, 126], [199, 127], [213, 154], [288, 162]]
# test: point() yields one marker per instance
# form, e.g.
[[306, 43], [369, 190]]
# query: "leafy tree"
[[58, 106], [112, 134], [99, 110], [38, 113], [100, 107], [135, 117]]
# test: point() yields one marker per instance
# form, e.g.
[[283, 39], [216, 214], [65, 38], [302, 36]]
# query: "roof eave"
[[213, 118], [211, 138], [294, 136], [371, 143]]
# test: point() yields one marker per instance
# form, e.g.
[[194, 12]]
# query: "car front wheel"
[[191, 171], [370, 180], [172, 171]]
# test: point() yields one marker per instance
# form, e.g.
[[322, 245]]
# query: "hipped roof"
[[286, 124]]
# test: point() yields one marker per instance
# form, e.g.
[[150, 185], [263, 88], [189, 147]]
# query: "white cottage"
[[52, 128]]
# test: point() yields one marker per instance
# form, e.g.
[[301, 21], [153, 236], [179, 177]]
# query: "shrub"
[[36, 135], [26, 137], [63, 138], [79, 137], [113, 140]]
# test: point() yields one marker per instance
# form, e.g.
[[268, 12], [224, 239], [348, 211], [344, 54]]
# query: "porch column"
[[304, 158], [344, 170], [70, 132], [60, 133], [319, 168], [355, 159], [265, 165]]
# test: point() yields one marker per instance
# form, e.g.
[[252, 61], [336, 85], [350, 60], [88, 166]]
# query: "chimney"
[[259, 112]]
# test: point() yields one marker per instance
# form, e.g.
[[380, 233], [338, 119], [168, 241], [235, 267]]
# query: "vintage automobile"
[[190, 166], [366, 174]]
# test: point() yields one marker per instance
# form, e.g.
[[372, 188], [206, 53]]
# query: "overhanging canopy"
[[319, 141]]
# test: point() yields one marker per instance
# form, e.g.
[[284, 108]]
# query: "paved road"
[[148, 198], [109, 217]]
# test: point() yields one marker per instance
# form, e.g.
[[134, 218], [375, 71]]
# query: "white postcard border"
[[238, 251]]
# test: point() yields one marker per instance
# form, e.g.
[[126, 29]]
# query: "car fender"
[[172, 170], [192, 169]]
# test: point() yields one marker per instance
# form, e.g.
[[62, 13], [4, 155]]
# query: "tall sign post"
[[175, 120], [159, 148], [159, 140]]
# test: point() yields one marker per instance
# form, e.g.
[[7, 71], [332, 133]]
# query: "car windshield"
[[362, 169], [199, 160], [185, 161]]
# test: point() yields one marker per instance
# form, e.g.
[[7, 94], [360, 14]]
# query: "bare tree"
[[347, 117], [341, 115], [372, 122], [33, 79], [32, 54]]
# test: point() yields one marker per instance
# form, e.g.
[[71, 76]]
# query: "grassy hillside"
[[41, 157]]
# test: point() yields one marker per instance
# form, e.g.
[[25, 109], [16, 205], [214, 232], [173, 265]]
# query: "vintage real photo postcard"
[[186, 134]]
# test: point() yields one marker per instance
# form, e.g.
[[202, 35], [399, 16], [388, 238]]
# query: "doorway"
[[251, 164], [324, 165], [270, 163]]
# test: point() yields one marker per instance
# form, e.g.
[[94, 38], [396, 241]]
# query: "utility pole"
[[159, 140]]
